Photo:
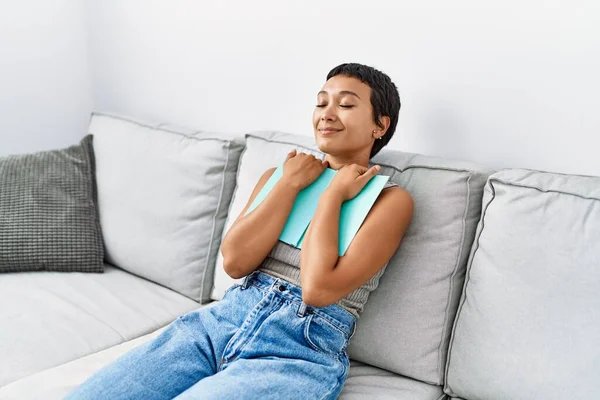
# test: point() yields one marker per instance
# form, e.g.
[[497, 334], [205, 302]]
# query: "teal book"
[[352, 213]]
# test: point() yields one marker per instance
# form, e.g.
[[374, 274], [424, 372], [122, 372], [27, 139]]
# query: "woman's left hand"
[[351, 179]]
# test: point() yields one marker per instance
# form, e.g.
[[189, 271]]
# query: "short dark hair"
[[385, 98]]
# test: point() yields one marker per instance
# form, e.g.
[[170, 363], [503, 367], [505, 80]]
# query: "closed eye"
[[341, 105]]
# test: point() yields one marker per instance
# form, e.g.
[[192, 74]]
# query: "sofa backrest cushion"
[[406, 323], [528, 322], [163, 196]]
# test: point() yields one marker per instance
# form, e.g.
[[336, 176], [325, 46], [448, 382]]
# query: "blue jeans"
[[261, 341]]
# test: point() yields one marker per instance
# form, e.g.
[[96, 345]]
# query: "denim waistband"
[[333, 313]]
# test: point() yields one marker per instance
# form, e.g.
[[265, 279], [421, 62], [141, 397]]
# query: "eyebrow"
[[341, 93]]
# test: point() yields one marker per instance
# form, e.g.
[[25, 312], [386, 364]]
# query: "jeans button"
[[281, 288]]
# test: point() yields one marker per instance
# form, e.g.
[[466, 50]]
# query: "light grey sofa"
[[494, 292]]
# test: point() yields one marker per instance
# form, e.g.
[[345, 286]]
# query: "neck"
[[338, 161]]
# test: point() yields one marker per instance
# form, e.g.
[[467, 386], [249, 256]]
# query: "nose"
[[328, 115]]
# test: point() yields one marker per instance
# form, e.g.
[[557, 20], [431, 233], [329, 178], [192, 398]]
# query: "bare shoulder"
[[394, 204], [396, 196], [261, 183], [263, 180], [257, 188]]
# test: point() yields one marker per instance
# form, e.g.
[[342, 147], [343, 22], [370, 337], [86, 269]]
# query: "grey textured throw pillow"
[[48, 211]]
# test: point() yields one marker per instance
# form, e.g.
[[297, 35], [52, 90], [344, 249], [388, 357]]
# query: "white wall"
[[45, 91], [506, 84]]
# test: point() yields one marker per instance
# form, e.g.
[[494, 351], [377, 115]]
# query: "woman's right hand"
[[301, 170]]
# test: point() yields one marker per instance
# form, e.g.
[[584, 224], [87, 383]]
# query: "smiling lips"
[[328, 131]]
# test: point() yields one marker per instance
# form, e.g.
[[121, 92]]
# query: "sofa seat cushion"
[[49, 318], [364, 381], [368, 382]]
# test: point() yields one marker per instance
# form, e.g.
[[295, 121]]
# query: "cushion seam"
[[379, 163], [464, 292], [452, 276], [237, 175], [540, 189], [156, 128], [214, 223]]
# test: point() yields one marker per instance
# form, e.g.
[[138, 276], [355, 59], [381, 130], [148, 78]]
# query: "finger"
[[360, 169], [325, 164], [371, 172], [303, 156], [290, 154]]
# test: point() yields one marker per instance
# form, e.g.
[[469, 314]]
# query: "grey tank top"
[[283, 261]]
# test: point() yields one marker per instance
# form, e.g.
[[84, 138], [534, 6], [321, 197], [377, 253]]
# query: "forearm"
[[320, 251], [249, 241]]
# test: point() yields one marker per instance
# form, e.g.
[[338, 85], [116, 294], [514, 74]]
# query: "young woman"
[[283, 332]]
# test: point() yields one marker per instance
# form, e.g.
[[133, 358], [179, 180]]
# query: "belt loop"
[[301, 310], [246, 281], [353, 330]]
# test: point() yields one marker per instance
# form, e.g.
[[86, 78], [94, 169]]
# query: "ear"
[[385, 121]]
